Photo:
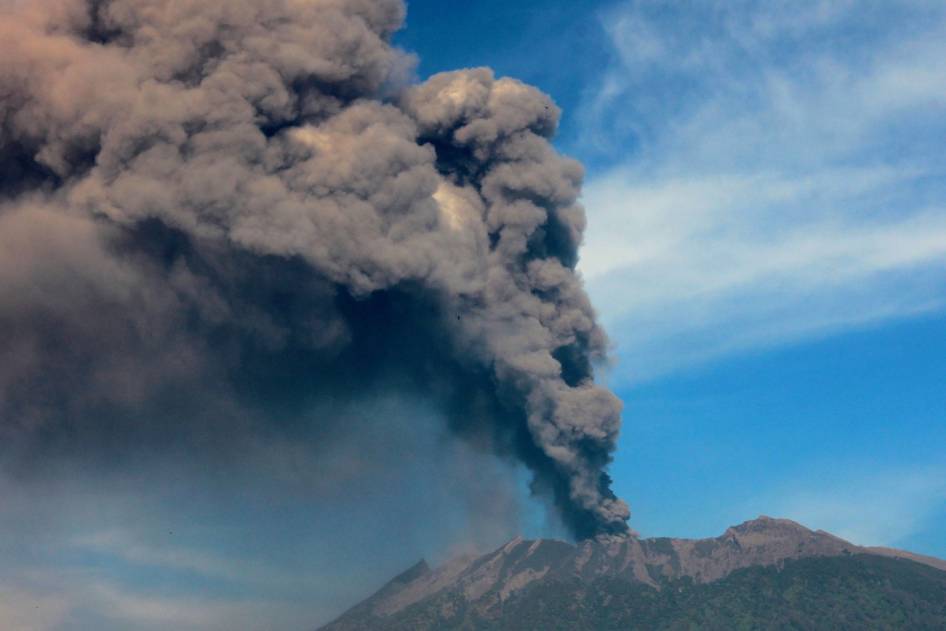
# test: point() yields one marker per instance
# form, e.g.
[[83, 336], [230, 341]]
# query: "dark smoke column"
[[198, 165], [530, 316]]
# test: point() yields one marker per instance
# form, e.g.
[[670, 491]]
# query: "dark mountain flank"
[[763, 574]]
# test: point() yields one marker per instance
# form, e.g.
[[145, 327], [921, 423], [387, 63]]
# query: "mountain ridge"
[[479, 586]]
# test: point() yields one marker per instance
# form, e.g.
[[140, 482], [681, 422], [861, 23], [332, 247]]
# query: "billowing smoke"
[[216, 215]]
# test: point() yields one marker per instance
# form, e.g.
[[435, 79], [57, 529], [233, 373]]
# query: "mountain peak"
[[766, 524]]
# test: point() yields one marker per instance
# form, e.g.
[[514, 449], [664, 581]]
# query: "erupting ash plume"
[[216, 213]]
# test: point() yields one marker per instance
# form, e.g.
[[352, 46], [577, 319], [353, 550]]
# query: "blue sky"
[[766, 243]]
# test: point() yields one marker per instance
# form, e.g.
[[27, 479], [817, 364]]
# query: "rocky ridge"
[[484, 583]]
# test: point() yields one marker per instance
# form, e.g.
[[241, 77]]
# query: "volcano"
[[763, 574]]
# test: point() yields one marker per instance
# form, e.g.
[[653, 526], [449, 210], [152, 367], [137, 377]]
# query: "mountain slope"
[[857, 592], [766, 573]]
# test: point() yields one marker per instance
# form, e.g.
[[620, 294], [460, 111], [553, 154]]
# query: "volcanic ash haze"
[[244, 208]]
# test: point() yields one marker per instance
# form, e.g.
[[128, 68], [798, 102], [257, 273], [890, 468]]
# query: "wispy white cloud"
[[50, 600], [124, 548], [781, 175], [23, 609], [127, 609], [882, 508]]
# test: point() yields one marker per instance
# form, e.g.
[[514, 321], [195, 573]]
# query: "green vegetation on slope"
[[837, 593]]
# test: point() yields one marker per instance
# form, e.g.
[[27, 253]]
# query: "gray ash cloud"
[[215, 215]]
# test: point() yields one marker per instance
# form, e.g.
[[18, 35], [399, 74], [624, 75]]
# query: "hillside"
[[763, 574]]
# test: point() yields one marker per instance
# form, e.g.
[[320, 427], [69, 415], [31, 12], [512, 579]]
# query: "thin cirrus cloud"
[[781, 175], [881, 508], [110, 580], [61, 600]]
